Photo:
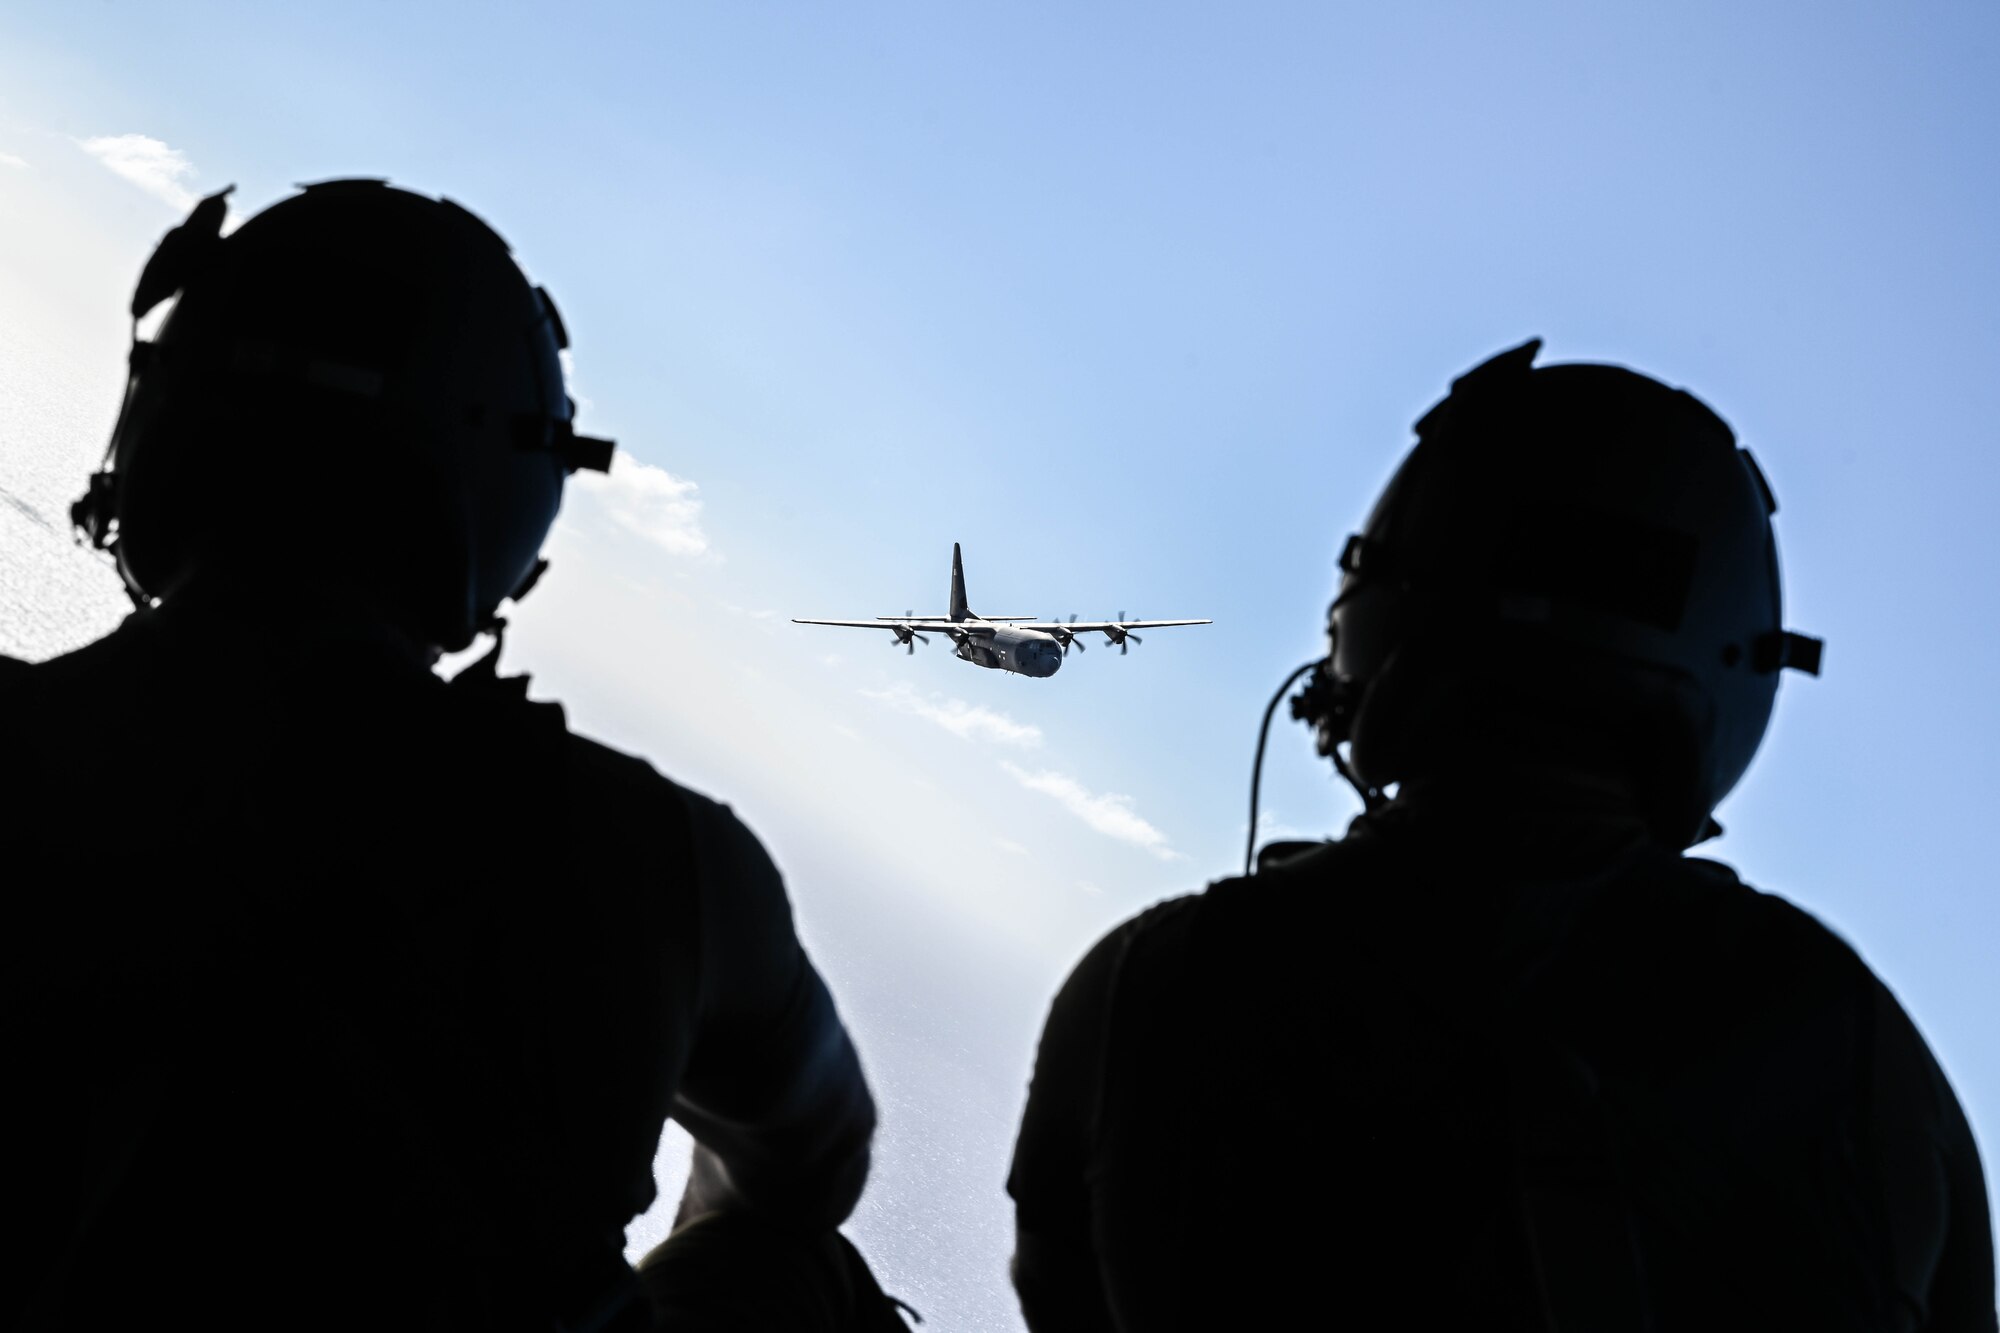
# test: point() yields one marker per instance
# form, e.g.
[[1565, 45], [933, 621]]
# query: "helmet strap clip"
[[1781, 649], [583, 453]]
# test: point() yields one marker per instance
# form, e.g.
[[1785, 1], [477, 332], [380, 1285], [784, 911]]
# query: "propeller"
[[907, 636], [1123, 638], [1064, 636]]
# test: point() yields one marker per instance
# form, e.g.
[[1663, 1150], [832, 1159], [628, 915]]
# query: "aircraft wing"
[[1100, 626], [939, 626]]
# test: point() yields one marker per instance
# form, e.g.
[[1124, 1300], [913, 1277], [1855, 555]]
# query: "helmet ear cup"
[[1387, 730]]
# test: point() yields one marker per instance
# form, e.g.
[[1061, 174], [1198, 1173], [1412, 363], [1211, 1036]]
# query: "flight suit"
[[1491, 1064], [338, 996]]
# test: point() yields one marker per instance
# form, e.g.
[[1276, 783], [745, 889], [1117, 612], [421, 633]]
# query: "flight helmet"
[[1579, 541], [358, 387]]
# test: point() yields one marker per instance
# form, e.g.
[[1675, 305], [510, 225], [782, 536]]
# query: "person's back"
[[339, 996], [336, 940], [1502, 1058], [1308, 1105]]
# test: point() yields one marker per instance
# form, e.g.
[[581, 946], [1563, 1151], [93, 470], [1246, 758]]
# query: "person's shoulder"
[[77, 701], [121, 648], [1693, 913], [614, 788], [1167, 917], [594, 764], [1304, 869], [1762, 918], [606, 770], [1291, 879], [1097, 971]]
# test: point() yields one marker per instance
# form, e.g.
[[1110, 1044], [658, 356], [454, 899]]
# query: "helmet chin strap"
[[485, 673], [1372, 798]]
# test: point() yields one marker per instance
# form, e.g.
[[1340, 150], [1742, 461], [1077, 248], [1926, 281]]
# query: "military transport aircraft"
[[1005, 643]]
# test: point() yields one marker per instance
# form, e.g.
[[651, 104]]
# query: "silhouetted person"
[[1503, 1057], [338, 996]]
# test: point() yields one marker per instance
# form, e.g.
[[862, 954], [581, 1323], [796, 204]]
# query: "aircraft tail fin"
[[959, 611]]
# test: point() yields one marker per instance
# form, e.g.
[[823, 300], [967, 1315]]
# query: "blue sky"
[[1138, 303]]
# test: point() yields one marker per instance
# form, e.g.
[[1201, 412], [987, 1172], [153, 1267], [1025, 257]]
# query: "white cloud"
[[585, 404], [961, 719], [160, 171], [1272, 827], [651, 502], [1009, 846], [9, 160], [1109, 813]]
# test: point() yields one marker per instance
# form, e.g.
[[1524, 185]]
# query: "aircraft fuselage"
[[1024, 652]]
